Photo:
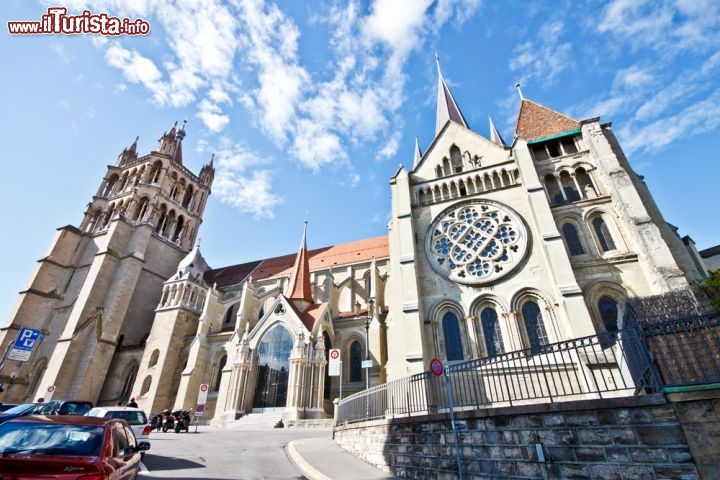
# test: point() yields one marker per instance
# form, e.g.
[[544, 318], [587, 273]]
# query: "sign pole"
[[340, 379], [452, 422]]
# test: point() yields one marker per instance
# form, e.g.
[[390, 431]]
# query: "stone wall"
[[621, 438]]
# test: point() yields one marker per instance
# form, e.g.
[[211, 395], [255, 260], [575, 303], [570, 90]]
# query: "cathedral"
[[492, 247]]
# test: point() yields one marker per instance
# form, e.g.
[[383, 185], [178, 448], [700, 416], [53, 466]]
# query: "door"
[[273, 366]]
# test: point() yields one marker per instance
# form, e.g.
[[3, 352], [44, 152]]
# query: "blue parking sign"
[[24, 344]]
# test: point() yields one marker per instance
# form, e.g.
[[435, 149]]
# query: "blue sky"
[[309, 107]]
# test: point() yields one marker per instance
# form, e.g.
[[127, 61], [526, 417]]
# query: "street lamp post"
[[368, 319]]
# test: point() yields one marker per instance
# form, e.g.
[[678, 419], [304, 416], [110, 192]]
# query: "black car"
[[64, 407], [19, 411]]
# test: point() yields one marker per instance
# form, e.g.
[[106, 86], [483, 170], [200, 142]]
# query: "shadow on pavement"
[[156, 463]]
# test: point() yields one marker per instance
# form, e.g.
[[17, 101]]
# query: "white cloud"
[[697, 118], [136, 69], [217, 53], [62, 52], [211, 116], [670, 27], [543, 58], [238, 185]]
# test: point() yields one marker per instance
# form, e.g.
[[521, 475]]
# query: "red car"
[[68, 447]]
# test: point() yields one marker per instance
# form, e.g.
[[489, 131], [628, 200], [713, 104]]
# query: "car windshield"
[[56, 439], [132, 417], [18, 409]]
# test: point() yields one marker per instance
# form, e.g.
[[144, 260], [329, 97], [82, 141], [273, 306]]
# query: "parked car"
[[135, 417], [7, 406], [70, 447], [19, 411], [64, 407]]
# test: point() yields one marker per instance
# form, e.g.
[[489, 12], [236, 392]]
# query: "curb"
[[304, 467]]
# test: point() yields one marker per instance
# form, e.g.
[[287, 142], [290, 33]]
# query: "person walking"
[[132, 403]]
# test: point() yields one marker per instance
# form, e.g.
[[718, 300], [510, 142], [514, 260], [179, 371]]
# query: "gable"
[[457, 149]]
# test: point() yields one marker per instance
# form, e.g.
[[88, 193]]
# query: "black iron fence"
[[611, 364], [686, 351]]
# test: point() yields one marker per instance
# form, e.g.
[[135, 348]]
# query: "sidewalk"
[[323, 459]]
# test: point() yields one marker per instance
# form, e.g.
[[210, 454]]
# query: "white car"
[[134, 416]]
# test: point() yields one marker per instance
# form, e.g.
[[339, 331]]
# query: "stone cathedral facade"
[[492, 247]]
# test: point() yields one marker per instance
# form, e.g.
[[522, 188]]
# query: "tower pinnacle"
[[447, 109]]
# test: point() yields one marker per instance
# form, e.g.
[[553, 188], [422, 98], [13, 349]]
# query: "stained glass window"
[[451, 332], [608, 313], [492, 332], [477, 242], [572, 239], [534, 325], [355, 362]]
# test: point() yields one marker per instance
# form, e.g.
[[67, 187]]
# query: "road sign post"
[[24, 344], [335, 365], [201, 401]]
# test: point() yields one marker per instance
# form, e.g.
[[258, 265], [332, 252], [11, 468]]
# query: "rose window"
[[477, 242]]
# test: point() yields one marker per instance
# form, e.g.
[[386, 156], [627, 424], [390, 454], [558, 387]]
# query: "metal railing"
[[687, 350], [610, 364]]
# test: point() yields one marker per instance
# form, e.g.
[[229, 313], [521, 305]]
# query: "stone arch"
[[492, 334], [535, 324], [594, 297], [217, 368], [603, 231], [129, 375], [450, 331]]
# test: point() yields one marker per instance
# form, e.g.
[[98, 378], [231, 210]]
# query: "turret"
[[207, 173]]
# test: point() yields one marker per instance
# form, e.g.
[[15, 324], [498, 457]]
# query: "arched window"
[[603, 234], [230, 316], [218, 373], [355, 362], [451, 332], [146, 385], [492, 332], [534, 325], [572, 239], [568, 186], [154, 358], [456, 159], [129, 381], [608, 313]]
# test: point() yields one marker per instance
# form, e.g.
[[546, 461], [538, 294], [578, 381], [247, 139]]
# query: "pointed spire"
[[299, 286], [447, 109], [133, 146], [129, 154], [179, 136], [517, 86], [418, 154], [495, 135]]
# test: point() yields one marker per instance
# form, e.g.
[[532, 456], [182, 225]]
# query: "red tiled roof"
[[537, 121], [319, 259]]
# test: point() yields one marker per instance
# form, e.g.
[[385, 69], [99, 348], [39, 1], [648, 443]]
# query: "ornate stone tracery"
[[476, 242]]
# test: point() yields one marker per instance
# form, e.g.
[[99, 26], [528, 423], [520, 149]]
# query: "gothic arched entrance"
[[273, 366]]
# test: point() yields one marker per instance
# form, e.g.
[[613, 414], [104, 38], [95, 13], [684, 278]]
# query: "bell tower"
[[93, 295]]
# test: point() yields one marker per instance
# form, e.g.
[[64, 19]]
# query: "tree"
[[710, 289]]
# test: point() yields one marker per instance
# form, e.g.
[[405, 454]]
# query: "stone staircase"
[[267, 420], [256, 421]]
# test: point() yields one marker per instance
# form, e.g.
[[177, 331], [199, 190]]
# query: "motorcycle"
[[156, 422], [168, 421], [182, 420]]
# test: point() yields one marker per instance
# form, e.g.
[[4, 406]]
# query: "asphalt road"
[[212, 454]]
